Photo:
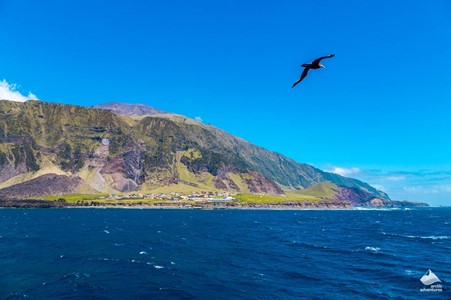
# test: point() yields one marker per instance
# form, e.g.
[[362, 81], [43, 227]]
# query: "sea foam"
[[374, 249]]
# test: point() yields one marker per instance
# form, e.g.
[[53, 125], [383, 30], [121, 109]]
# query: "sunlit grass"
[[73, 198], [271, 199]]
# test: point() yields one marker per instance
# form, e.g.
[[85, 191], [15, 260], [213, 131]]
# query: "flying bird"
[[313, 65]]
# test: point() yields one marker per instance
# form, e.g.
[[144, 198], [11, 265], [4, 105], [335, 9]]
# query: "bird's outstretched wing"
[[316, 61], [303, 75]]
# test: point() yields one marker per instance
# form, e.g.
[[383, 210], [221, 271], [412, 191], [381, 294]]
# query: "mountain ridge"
[[129, 109]]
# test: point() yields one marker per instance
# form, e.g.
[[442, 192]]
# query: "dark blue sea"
[[223, 254]]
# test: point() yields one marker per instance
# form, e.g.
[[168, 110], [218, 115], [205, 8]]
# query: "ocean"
[[81, 253]]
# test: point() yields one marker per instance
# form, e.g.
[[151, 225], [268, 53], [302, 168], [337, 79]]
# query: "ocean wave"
[[412, 274], [107, 259], [59, 287], [430, 237], [373, 249], [298, 275], [16, 296], [75, 275], [321, 247], [377, 208], [427, 237], [175, 293]]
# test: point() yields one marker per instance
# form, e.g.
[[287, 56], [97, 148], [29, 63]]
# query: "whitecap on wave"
[[412, 273], [374, 249], [427, 237], [431, 237]]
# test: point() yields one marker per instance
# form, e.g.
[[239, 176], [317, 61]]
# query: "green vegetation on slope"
[[323, 190], [269, 199], [73, 198]]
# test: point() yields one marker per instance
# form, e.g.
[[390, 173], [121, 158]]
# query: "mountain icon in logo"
[[429, 278]]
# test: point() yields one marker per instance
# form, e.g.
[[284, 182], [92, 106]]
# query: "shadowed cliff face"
[[49, 184], [111, 152]]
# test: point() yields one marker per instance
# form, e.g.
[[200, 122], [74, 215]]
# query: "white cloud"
[[431, 189], [198, 119], [9, 92], [344, 171], [395, 178], [379, 187]]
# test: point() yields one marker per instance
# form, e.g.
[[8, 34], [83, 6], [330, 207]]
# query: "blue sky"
[[379, 112]]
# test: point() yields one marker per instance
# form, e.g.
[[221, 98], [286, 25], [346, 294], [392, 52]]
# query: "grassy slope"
[[323, 190], [239, 180], [73, 198], [269, 199], [204, 180]]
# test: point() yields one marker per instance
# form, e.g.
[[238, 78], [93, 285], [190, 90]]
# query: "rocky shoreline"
[[32, 203], [35, 203]]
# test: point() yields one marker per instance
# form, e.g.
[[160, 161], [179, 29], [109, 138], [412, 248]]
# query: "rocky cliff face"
[[110, 152], [48, 184], [126, 109]]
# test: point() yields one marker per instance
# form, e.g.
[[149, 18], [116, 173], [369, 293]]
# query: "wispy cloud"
[[428, 189], [8, 91], [379, 187], [394, 178], [409, 174], [198, 119], [344, 171]]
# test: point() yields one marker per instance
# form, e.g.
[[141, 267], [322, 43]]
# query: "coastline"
[[173, 207], [27, 204]]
